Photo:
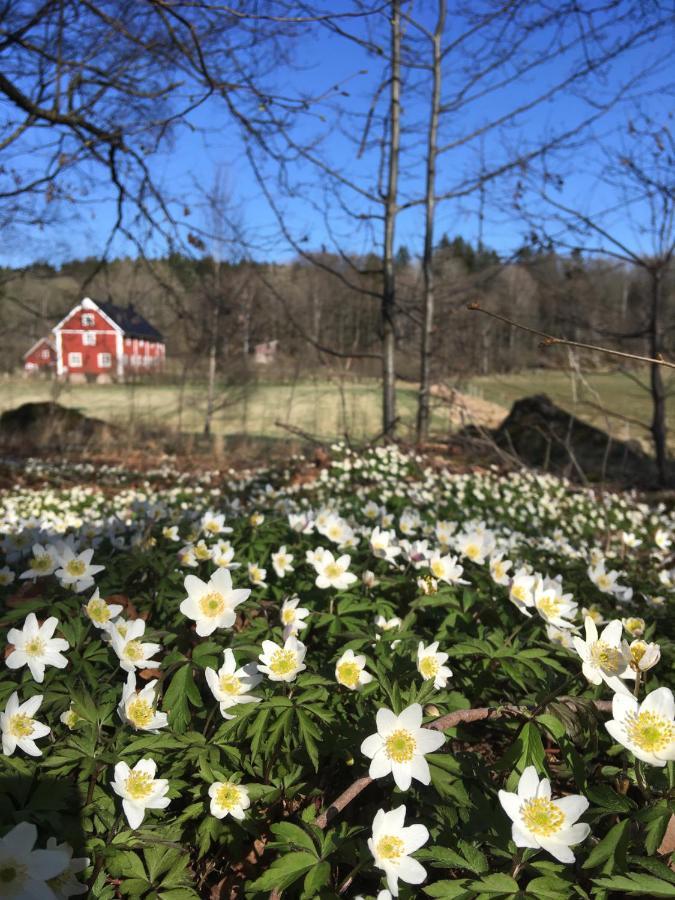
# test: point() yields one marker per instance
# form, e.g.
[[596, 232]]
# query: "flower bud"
[[644, 656]]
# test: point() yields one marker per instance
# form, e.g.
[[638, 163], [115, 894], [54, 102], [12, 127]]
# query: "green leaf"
[[316, 878], [284, 871], [613, 845], [293, 834], [498, 883], [181, 692], [449, 890], [603, 795], [549, 886], [640, 884]]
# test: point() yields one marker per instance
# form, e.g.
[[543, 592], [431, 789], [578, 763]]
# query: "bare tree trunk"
[[423, 405], [390, 211], [213, 353], [658, 426]]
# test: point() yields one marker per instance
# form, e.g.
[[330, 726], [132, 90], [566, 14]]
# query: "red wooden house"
[[41, 357], [106, 341]]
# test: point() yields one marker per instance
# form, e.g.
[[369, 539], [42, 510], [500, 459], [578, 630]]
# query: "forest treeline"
[[325, 313]]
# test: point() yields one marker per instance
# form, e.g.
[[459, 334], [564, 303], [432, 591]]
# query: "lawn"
[[331, 408]]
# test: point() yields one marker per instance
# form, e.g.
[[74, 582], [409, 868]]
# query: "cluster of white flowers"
[[512, 519]]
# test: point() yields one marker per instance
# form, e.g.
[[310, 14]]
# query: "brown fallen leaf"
[[668, 842]]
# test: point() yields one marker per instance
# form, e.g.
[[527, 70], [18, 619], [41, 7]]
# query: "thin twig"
[[449, 721], [550, 340]]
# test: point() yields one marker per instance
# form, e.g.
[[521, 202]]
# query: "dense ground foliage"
[[223, 659]]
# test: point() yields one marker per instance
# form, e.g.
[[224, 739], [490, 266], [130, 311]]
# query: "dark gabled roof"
[[130, 321]]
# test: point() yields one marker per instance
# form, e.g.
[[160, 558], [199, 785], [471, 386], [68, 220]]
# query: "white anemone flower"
[[282, 663], [19, 728], [35, 647], [45, 561], [6, 576], [292, 616], [540, 822], [605, 658], [644, 656], [131, 651], [257, 575], [228, 798], [230, 685], [383, 544], [100, 613], [333, 572], [521, 592], [499, 569], [66, 884], [75, 569], [446, 568], [139, 790], [553, 606], [646, 729], [281, 562], [399, 746], [350, 671], [391, 845], [214, 523], [138, 708], [212, 604], [25, 872], [430, 664]]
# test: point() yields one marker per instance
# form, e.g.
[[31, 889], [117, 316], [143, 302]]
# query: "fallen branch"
[[550, 340], [450, 721]]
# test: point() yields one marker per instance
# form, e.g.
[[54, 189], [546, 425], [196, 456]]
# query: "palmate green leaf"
[[637, 884], [293, 835], [611, 850], [497, 884], [549, 887], [470, 858], [315, 879], [181, 692], [257, 732], [284, 871], [450, 890]]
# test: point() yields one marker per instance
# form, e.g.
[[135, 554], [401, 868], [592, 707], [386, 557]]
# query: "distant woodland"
[[324, 312]]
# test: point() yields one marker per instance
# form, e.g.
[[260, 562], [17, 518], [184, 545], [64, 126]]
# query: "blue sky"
[[212, 149]]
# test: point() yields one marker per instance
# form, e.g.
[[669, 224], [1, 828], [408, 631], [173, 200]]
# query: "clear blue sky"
[[214, 149]]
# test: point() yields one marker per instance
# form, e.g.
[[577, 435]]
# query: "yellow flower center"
[[34, 647], [604, 582], [134, 651], [334, 532], [548, 606], [139, 712], [41, 563], [20, 725], [283, 662], [472, 551], [202, 551], [498, 570], [76, 567], [333, 570], [519, 592], [212, 526], [256, 573], [139, 785], [634, 626], [649, 731], [12, 872], [348, 674], [428, 666], [390, 847], [437, 568], [637, 651], [227, 796], [400, 746], [541, 816], [281, 562], [607, 658], [229, 684], [98, 611], [288, 615], [212, 604]]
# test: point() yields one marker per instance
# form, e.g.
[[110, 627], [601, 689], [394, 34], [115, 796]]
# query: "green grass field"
[[330, 408]]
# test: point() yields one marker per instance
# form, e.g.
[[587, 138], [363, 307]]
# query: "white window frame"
[[89, 339], [45, 354], [75, 360], [104, 361], [88, 319]]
